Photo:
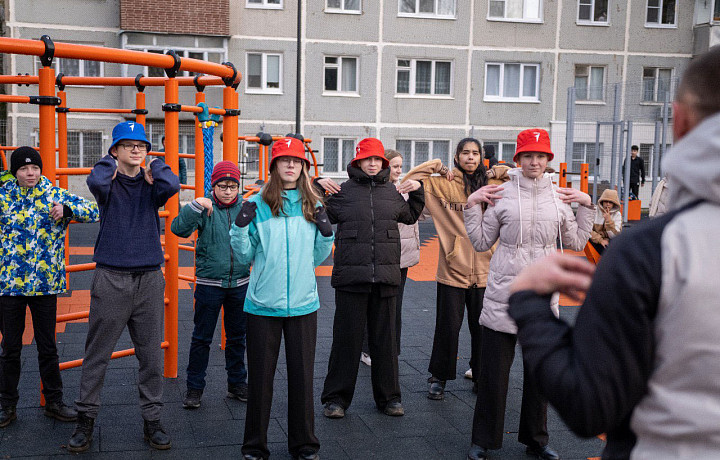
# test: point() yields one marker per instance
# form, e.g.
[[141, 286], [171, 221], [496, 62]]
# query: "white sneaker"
[[365, 359], [468, 374]]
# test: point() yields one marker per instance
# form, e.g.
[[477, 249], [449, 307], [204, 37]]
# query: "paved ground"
[[429, 430]]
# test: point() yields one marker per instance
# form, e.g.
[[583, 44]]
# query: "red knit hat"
[[370, 147], [533, 140], [225, 170], [288, 147]]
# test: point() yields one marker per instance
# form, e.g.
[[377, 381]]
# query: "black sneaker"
[[7, 415], [333, 410], [82, 436], [60, 411], [155, 435], [394, 409], [436, 391], [239, 391], [192, 398]]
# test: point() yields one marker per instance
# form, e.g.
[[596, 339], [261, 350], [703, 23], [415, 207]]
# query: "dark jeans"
[[12, 325], [497, 356], [398, 313], [208, 301], [635, 188]]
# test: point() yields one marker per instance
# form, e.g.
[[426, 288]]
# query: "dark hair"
[[489, 150], [475, 180], [162, 139], [699, 85], [635, 147]]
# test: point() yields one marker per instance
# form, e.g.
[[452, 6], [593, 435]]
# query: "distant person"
[[637, 171], [182, 164], [642, 360], [490, 155], [608, 220]]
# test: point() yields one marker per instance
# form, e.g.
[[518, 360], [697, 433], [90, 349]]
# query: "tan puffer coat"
[[409, 242], [526, 221]]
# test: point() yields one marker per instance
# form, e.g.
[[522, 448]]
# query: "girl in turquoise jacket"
[[285, 233]]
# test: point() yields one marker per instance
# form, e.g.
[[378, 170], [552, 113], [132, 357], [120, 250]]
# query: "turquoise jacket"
[[32, 244], [284, 251]]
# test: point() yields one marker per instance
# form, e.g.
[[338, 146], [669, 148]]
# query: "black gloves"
[[322, 221], [246, 214]]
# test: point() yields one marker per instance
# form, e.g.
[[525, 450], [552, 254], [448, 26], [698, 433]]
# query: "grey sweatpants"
[[138, 301]]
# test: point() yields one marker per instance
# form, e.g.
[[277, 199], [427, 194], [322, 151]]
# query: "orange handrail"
[[112, 81], [115, 355]]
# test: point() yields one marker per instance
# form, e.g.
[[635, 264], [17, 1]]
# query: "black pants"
[[353, 310], [398, 313], [263, 346], [635, 188], [451, 304], [497, 356], [44, 312]]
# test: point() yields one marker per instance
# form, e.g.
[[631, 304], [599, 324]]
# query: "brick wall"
[[194, 17]]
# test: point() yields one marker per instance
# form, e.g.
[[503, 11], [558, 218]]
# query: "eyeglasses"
[[290, 160], [232, 188], [141, 147]]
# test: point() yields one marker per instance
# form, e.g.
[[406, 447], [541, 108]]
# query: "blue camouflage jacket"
[[32, 249]]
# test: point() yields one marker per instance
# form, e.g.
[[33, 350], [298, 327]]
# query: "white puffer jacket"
[[527, 221], [409, 243]]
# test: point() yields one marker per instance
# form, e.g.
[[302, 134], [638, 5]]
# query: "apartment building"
[[418, 74]]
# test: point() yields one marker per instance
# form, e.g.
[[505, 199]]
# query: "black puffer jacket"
[[367, 244]]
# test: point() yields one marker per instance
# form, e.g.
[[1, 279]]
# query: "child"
[[34, 216], [128, 286], [221, 282], [285, 233], [608, 220]]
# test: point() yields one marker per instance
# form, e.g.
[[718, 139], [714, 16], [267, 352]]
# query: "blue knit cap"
[[129, 130]]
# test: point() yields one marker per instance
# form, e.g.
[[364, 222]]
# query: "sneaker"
[[333, 410], [155, 435], [394, 409], [7, 415], [239, 391], [468, 374], [436, 390], [192, 398], [308, 455], [60, 411], [365, 359], [82, 436]]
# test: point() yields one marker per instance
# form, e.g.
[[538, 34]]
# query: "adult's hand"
[[450, 175], [408, 186], [322, 221], [57, 210], [569, 275], [487, 194], [205, 203], [573, 195], [246, 214], [329, 185]]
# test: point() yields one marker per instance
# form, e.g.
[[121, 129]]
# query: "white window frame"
[[656, 80], [591, 83], [499, 150], [340, 139], [264, 89], [264, 5], [660, 25], [338, 66], [417, 14], [245, 167], [501, 98], [343, 9], [409, 163], [182, 51], [81, 147], [412, 84], [537, 20], [593, 22], [56, 64], [586, 157]]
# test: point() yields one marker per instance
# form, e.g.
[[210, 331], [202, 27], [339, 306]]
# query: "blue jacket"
[[284, 251], [32, 244]]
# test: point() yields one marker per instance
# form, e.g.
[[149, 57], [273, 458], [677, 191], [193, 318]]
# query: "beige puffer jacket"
[[527, 221], [409, 242]]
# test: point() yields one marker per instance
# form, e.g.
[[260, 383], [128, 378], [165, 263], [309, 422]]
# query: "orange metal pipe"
[[584, 175], [196, 109], [186, 278], [14, 147], [92, 110], [230, 126], [140, 105], [172, 123], [112, 81], [4, 161], [115, 355], [63, 162], [562, 181], [62, 171], [72, 316], [199, 153], [163, 213], [183, 247], [15, 99], [80, 267], [186, 155], [187, 187], [47, 123]]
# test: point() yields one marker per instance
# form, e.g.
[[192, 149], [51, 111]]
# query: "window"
[[656, 82], [416, 77], [155, 131], [427, 8], [341, 74], [589, 83], [660, 13], [590, 11], [646, 153], [417, 152], [250, 161], [583, 153], [217, 55], [504, 150], [264, 73], [84, 148], [512, 82], [343, 6], [75, 67], [517, 10], [337, 153], [273, 4]]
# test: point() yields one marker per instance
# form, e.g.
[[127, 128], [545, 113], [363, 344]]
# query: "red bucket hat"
[[225, 170], [288, 147], [370, 147], [533, 140]]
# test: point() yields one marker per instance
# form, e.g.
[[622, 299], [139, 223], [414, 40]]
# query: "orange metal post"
[[584, 174], [47, 123], [199, 153], [562, 181], [172, 121], [230, 125], [63, 160], [140, 105]]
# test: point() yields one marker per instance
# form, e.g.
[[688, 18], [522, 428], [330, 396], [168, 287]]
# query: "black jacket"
[[637, 170], [367, 244]]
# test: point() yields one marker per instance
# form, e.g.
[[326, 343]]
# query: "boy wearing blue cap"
[[128, 286]]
